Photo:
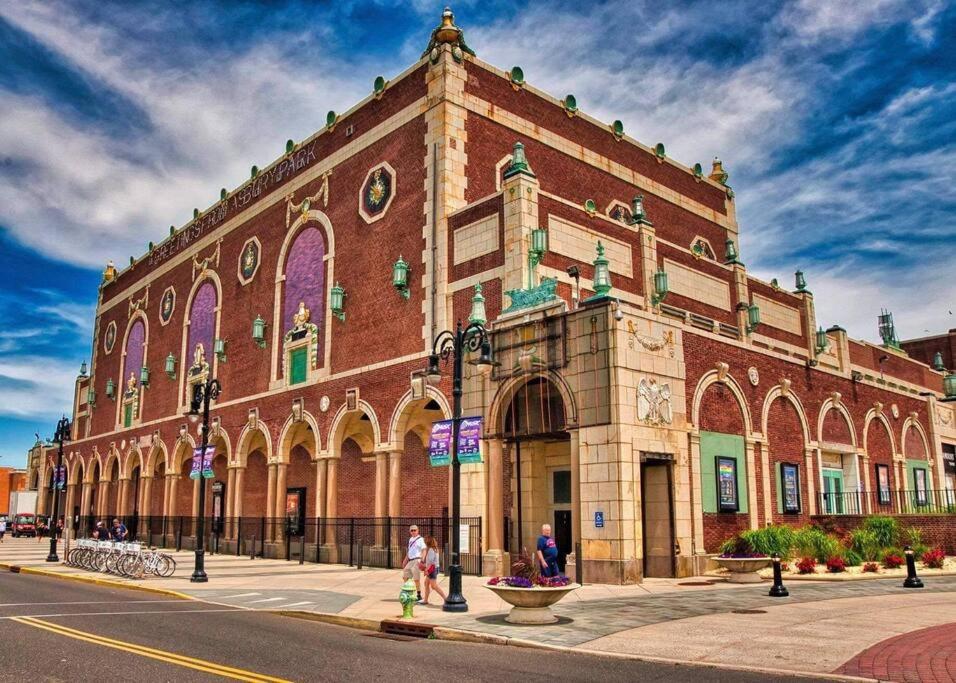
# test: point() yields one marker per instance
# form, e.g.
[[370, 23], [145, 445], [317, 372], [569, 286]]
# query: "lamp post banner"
[[469, 440], [439, 444], [61, 477], [202, 465]]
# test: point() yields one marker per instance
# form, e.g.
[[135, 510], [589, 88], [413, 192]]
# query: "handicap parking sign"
[[599, 519]]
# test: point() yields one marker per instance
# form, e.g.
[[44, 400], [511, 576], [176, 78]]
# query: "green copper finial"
[[519, 163]]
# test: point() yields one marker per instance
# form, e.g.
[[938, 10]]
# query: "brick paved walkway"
[[924, 656]]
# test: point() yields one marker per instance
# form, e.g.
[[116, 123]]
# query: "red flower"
[[934, 558], [807, 565], [836, 564]]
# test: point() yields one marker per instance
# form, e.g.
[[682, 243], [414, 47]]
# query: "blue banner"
[[439, 444], [469, 440]]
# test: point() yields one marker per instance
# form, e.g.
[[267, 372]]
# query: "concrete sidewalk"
[[819, 628]]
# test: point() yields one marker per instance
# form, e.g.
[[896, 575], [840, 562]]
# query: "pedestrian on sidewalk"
[[431, 567], [100, 533], [3, 528], [41, 528], [413, 558], [547, 553], [119, 531]]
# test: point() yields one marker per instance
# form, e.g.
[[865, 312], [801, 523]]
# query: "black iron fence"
[[888, 502], [356, 541]]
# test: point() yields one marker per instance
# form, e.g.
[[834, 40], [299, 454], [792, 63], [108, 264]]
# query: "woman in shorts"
[[430, 568]]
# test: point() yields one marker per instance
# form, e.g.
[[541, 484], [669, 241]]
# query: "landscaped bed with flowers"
[[873, 550]]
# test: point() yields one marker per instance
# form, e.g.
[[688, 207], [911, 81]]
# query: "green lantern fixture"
[[91, 397], [730, 252], [400, 277], [144, 376], [949, 386], [602, 275], [83, 369], [259, 332], [478, 314], [753, 318], [938, 362], [219, 348], [660, 287], [823, 342], [337, 301], [539, 247], [110, 388], [170, 366], [801, 281], [638, 213]]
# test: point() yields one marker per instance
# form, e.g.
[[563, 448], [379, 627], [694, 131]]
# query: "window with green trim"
[[297, 365], [712, 445]]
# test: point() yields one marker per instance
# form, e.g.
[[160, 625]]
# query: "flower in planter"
[[836, 565], [933, 559], [553, 581], [871, 567], [807, 565], [892, 561]]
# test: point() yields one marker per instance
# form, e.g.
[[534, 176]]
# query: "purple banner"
[[439, 445], [202, 466], [469, 440]]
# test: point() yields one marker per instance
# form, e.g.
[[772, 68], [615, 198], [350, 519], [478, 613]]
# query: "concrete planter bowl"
[[743, 569], [532, 605]]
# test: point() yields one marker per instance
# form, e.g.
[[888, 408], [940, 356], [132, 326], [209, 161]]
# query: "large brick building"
[[647, 422]]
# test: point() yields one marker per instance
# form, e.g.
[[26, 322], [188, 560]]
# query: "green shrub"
[[771, 540], [885, 529], [913, 537], [809, 541], [866, 544], [852, 558]]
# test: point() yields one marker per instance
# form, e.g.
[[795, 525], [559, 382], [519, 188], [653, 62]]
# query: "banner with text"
[[439, 444], [469, 440]]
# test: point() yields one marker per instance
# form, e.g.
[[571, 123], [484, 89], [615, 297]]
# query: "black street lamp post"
[[203, 394], [63, 429], [455, 344]]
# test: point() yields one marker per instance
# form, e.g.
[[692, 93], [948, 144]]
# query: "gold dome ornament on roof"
[[717, 173], [447, 32], [109, 273]]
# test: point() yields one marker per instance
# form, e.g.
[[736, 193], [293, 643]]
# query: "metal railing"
[[355, 541], [888, 502]]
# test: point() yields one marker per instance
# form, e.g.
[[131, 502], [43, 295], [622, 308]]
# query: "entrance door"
[[833, 503], [562, 535], [657, 509]]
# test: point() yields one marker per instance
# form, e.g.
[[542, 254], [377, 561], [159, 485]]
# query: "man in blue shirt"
[[119, 531], [547, 552]]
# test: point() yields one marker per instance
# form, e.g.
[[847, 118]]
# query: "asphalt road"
[[57, 630]]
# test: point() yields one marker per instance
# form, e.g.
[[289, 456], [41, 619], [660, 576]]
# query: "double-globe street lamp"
[[203, 394], [456, 344], [63, 431]]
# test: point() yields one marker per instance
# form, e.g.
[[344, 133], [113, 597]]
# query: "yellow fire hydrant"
[[407, 597]]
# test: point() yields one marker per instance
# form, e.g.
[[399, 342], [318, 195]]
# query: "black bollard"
[[778, 590], [912, 580]]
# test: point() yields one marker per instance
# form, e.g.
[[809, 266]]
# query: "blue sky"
[[836, 120]]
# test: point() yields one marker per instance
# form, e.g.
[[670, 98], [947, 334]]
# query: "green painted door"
[[297, 366], [833, 492], [128, 415]]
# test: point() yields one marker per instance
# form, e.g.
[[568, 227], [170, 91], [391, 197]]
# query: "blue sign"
[[599, 520]]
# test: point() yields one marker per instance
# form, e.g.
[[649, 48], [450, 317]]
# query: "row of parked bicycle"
[[130, 560]]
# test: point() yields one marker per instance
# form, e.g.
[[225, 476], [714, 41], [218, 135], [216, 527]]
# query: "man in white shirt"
[[416, 551]]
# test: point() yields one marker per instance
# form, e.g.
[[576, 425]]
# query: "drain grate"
[[404, 628], [696, 583], [748, 611]]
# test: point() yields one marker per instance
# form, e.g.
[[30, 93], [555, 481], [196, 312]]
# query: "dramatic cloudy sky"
[[835, 118]]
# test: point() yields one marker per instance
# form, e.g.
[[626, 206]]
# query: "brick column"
[[122, 495], [169, 495], [230, 483], [236, 493], [271, 498], [381, 495], [331, 490], [70, 503], [281, 485], [85, 492], [320, 486]]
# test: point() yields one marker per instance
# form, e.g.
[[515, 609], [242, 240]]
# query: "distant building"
[[652, 397], [11, 480], [940, 348]]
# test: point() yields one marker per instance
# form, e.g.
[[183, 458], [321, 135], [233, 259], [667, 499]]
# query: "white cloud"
[[34, 386]]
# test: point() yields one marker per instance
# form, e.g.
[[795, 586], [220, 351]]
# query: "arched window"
[[201, 332], [303, 306], [134, 358]]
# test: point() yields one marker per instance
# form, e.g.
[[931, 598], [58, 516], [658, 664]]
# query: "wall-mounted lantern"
[[602, 274], [753, 318], [949, 386], [400, 277], [259, 332], [170, 366], [801, 281], [539, 246], [110, 388], [83, 369], [144, 376], [91, 397], [823, 342], [660, 287], [730, 252], [337, 301], [938, 362], [219, 348], [478, 314]]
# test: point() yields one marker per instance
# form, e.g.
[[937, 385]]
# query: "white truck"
[[22, 502]]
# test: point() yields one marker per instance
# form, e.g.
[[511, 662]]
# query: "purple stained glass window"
[[202, 321], [305, 277], [134, 350]]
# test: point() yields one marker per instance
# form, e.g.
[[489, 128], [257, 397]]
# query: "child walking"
[[430, 568]]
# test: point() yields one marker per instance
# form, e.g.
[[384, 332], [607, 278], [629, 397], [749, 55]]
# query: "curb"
[[334, 619], [95, 581]]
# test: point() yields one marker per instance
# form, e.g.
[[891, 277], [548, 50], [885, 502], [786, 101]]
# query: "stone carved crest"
[[306, 204], [167, 305], [201, 265], [753, 375], [666, 340], [301, 317], [109, 337], [249, 260], [654, 402]]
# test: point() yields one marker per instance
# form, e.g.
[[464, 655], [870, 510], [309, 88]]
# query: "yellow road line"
[[143, 651]]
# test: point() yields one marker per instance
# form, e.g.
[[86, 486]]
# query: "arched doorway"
[[539, 486]]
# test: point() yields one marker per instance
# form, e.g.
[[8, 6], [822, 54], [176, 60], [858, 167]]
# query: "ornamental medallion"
[[167, 305], [109, 337], [377, 192], [249, 259], [619, 212]]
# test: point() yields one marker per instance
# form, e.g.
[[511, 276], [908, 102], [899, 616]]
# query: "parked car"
[[24, 525]]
